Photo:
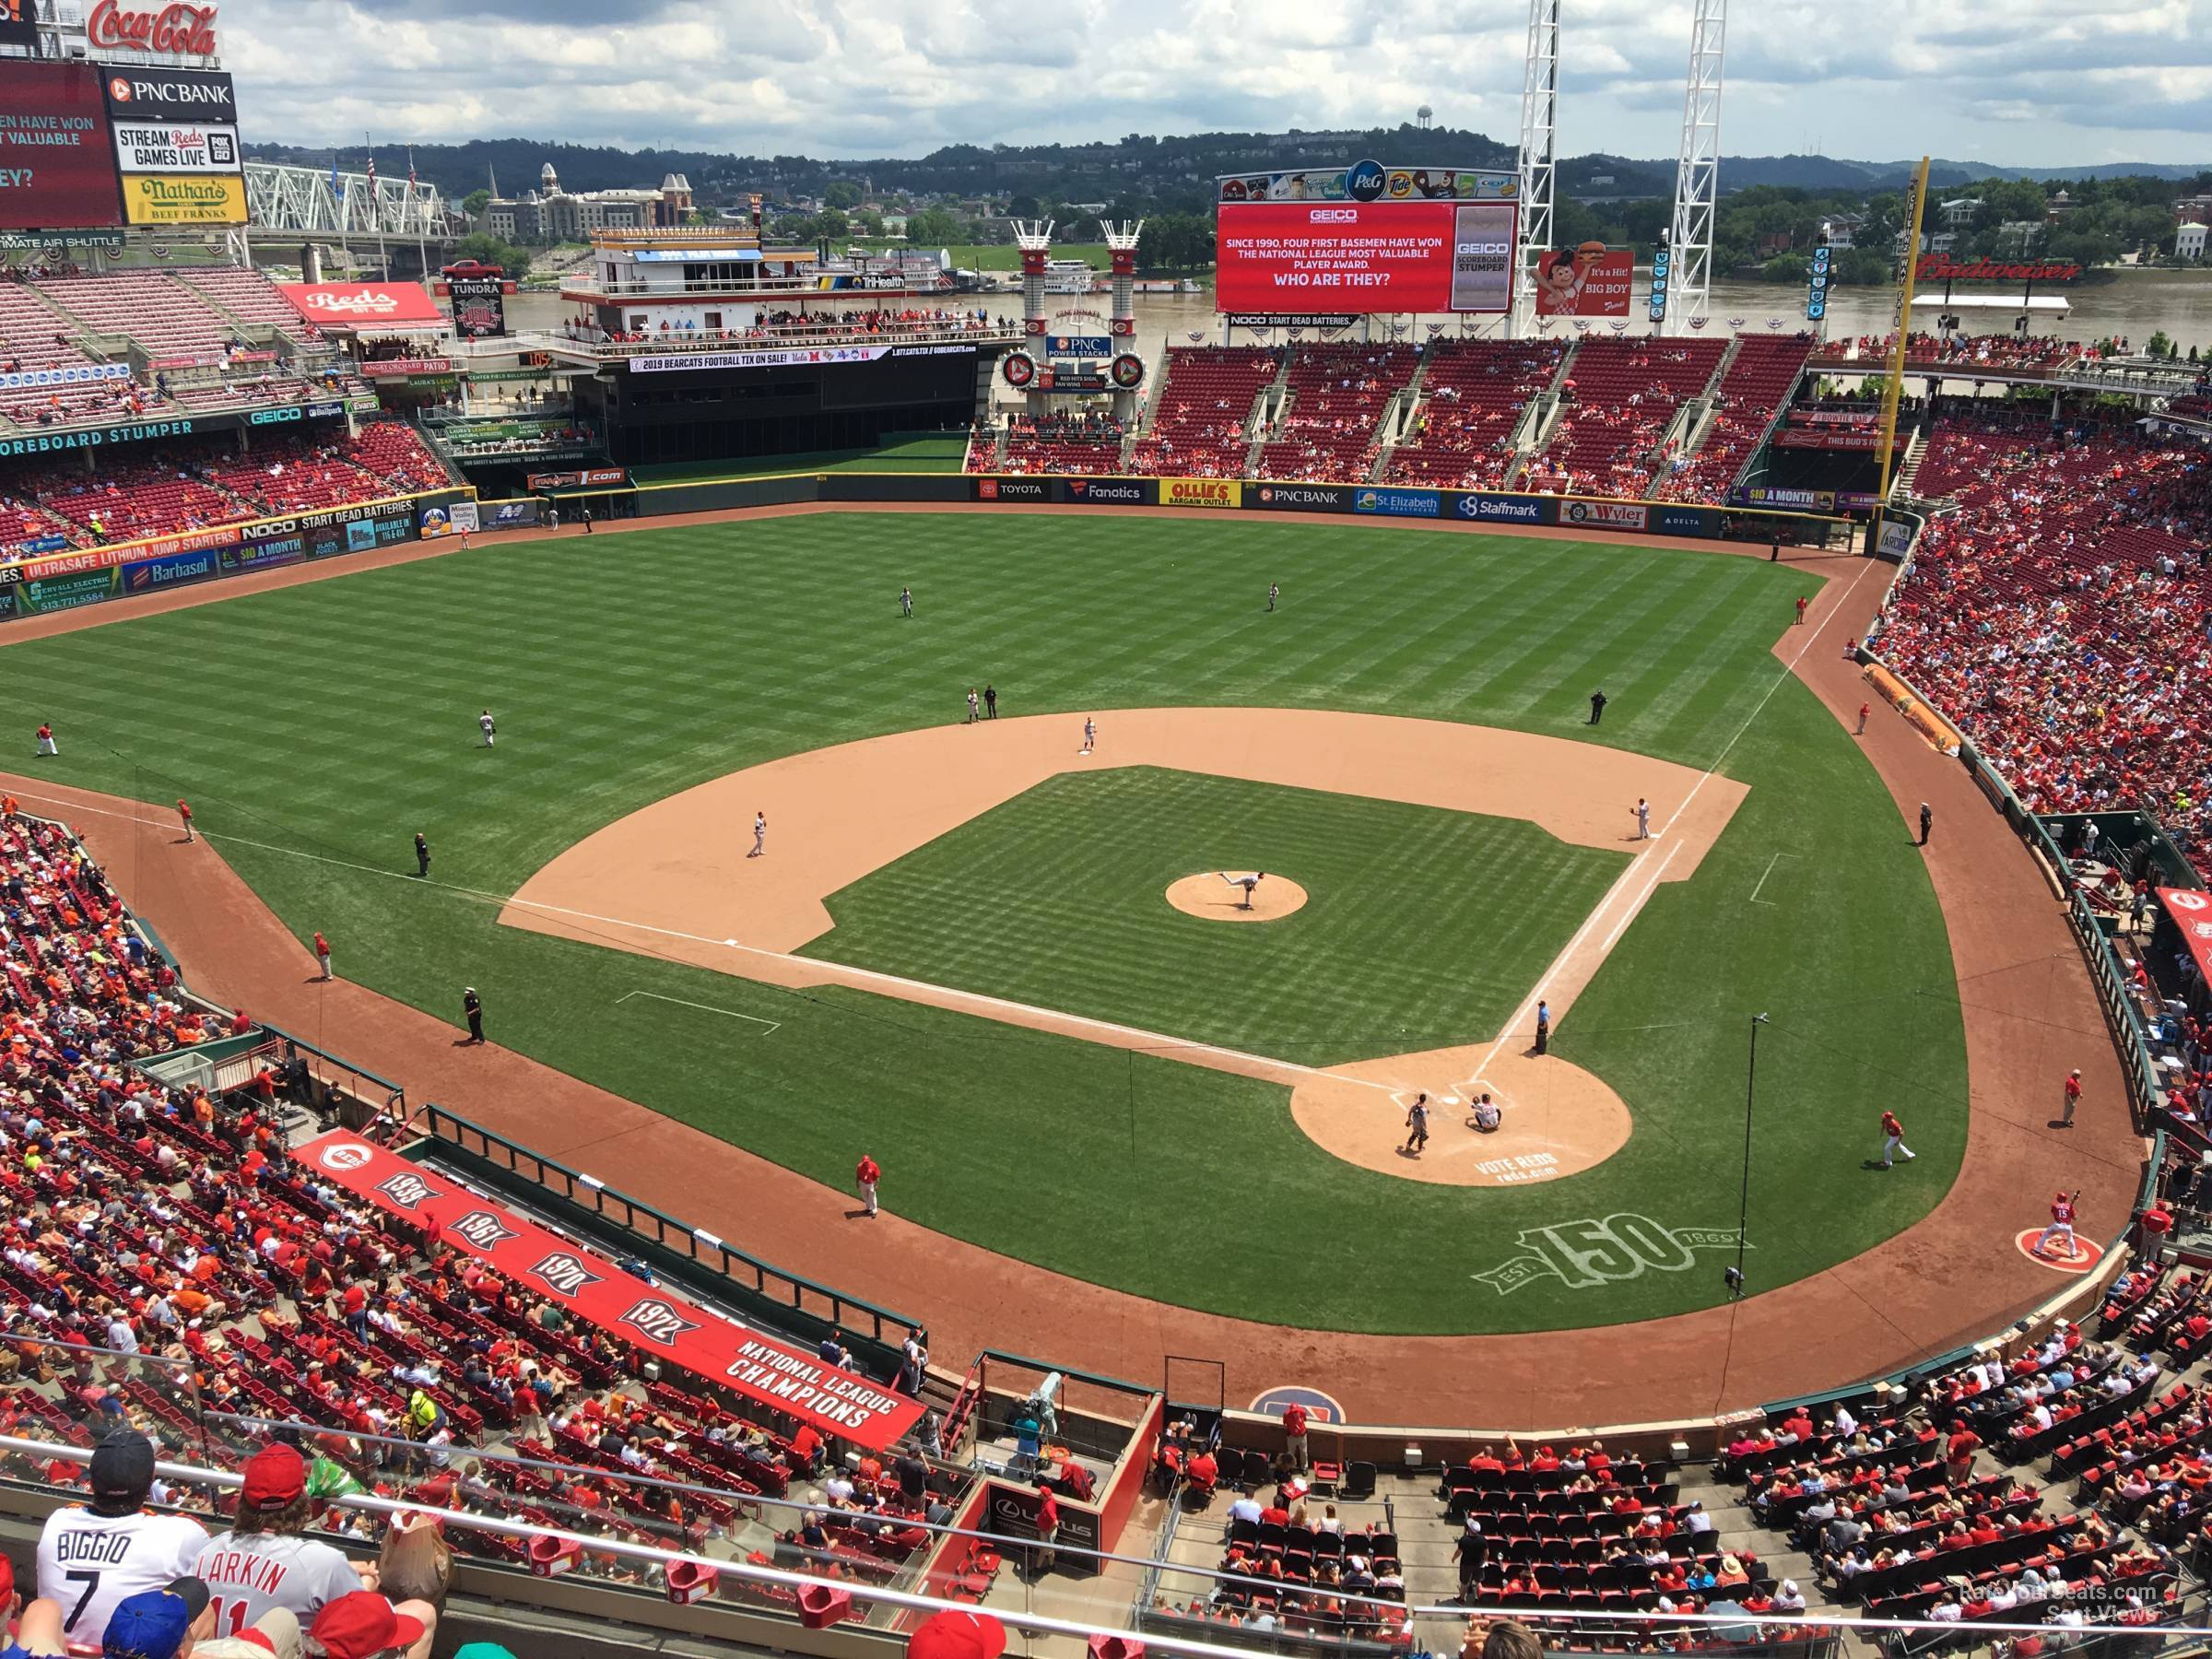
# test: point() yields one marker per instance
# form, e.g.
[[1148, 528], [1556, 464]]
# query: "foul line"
[[1147, 1040], [1762, 879], [772, 1025]]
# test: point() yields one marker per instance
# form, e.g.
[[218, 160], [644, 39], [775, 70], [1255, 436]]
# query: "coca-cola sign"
[[175, 31]]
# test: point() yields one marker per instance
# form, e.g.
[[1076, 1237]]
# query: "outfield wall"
[[1109, 493], [82, 576]]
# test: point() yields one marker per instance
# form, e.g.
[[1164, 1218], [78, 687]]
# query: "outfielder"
[[484, 720], [2062, 1225], [1893, 1139]]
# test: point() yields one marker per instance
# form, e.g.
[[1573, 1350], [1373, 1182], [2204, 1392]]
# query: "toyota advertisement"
[[1308, 258], [58, 167]]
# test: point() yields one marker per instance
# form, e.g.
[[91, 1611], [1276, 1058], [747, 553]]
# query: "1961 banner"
[[762, 1368]]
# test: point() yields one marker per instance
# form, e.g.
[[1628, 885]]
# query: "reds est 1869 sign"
[[178, 29]]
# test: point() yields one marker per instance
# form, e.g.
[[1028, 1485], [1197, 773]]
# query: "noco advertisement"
[[57, 165], [1299, 258]]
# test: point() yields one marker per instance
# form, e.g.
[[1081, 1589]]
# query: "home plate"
[[1449, 1100]]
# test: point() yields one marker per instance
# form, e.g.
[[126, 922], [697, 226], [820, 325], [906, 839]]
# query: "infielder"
[[1090, 735], [1643, 818], [2061, 1225], [760, 835], [484, 721], [1893, 1139], [1246, 882]]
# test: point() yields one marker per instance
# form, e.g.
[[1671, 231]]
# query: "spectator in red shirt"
[[1958, 1455], [865, 1174], [1048, 1529], [1294, 1435]]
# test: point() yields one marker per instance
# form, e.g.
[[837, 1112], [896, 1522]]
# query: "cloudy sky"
[[2014, 82]]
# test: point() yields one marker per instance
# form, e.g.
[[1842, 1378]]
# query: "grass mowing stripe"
[[336, 717]]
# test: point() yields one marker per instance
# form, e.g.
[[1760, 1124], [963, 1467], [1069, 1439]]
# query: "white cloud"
[[2031, 82]]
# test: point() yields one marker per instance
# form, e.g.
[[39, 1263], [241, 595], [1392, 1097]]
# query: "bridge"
[[317, 202]]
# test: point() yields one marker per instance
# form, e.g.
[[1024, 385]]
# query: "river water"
[[2131, 303]]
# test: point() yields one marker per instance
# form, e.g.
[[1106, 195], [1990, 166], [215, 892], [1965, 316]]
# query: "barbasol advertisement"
[[1397, 503], [151, 575], [1504, 509]]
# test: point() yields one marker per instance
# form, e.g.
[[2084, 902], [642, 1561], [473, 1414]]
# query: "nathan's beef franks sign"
[[835, 1400]]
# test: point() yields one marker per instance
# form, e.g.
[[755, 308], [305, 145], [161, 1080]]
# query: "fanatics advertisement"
[[57, 169], [1108, 492], [214, 198], [1592, 281], [1289, 258], [642, 1316]]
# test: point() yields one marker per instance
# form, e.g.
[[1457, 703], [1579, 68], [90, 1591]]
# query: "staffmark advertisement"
[[1397, 503], [1610, 516], [1200, 492], [185, 199], [1503, 508]]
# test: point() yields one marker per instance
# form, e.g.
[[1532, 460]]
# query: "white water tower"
[[1423, 117]]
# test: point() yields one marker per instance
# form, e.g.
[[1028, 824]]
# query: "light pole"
[[1743, 1208]]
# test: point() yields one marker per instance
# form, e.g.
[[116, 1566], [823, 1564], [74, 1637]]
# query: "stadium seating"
[[1337, 393], [249, 297], [1620, 396], [33, 336], [1062, 444], [1474, 393], [197, 483], [164, 316], [1200, 411], [1751, 393], [2058, 617]]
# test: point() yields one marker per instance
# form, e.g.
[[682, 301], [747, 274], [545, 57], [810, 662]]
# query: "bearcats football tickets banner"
[[835, 1400]]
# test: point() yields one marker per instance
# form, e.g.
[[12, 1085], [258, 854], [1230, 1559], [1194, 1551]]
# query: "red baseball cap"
[[275, 1476], [958, 1636], [360, 1626]]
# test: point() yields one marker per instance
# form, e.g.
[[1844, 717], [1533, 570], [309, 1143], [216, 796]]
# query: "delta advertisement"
[[642, 1316], [1293, 258], [1589, 281], [57, 168]]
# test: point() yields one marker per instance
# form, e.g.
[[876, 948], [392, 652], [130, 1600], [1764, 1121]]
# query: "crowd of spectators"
[[2058, 615], [800, 327], [1620, 397], [196, 484], [1992, 350], [1088, 442]]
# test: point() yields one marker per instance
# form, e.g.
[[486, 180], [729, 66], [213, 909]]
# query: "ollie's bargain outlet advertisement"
[[1299, 257]]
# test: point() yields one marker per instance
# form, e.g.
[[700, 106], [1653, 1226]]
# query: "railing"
[[998, 331], [786, 1291]]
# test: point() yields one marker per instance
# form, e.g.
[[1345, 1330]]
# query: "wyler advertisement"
[[1610, 515]]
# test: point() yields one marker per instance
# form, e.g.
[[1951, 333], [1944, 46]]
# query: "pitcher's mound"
[[1216, 900]]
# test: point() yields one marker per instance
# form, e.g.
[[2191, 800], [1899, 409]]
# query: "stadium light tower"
[[1698, 174], [1034, 238], [1539, 148]]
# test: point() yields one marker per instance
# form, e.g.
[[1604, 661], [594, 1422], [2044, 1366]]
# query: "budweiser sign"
[[175, 31], [1942, 267]]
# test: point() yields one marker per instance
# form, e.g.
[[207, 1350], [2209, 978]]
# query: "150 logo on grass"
[[1584, 1253]]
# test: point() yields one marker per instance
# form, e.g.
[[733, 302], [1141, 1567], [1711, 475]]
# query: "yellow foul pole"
[[1904, 327]]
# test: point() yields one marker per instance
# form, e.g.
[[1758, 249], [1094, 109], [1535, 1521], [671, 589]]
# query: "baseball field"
[[958, 953]]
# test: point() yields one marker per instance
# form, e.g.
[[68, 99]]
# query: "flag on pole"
[[371, 173]]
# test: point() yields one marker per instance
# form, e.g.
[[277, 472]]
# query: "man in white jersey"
[[263, 1561], [92, 1558]]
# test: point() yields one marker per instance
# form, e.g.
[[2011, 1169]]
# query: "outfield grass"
[[315, 728], [921, 452], [1424, 927]]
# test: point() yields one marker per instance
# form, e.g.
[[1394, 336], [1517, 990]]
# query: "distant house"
[[1960, 212], [2058, 208], [2017, 236], [2193, 210], [1773, 242], [1841, 230], [2189, 241]]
